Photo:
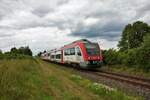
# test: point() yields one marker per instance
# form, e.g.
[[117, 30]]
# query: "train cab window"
[[92, 49], [72, 51], [78, 51]]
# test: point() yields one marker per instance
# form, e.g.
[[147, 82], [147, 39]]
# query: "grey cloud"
[[61, 2], [143, 10], [110, 31], [41, 11], [5, 35], [108, 26]]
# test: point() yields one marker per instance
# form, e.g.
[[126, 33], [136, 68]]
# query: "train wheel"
[[76, 65]]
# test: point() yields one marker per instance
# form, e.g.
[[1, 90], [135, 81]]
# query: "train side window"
[[58, 56], [78, 51], [67, 52], [72, 51], [52, 56]]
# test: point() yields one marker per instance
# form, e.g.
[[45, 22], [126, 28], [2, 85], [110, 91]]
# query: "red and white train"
[[81, 53]]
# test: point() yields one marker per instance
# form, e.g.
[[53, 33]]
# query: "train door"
[[78, 55], [62, 57]]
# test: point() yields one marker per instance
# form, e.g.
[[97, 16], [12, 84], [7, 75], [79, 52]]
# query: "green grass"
[[31, 79], [127, 70]]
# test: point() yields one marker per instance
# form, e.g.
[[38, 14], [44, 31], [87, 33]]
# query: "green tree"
[[14, 50], [28, 51], [110, 57], [143, 54], [22, 50], [123, 43], [132, 35], [25, 51], [39, 54], [0, 51]]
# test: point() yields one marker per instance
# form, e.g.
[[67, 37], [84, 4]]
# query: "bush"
[[143, 54], [21, 50], [110, 57], [14, 56], [122, 57], [0, 51], [130, 58], [14, 53]]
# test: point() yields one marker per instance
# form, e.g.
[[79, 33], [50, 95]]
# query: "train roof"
[[82, 40], [77, 41]]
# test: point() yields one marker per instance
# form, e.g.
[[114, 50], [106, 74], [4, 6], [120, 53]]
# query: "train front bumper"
[[91, 64]]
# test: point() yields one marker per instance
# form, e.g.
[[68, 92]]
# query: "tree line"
[[133, 48], [14, 52]]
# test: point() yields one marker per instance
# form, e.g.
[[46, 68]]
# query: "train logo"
[[82, 53]]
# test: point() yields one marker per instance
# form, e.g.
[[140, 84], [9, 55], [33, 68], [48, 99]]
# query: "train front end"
[[92, 56]]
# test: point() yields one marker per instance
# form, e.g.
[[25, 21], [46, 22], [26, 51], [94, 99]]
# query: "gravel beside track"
[[129, 89]]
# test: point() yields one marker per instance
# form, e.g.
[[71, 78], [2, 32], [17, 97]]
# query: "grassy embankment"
[[127, 70], [30, 79]]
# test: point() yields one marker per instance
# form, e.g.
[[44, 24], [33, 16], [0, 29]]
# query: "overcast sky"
[[48, 24]]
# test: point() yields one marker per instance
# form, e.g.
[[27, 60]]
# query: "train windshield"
[[92, 48]]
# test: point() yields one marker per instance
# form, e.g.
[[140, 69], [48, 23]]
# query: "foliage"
[[39, 54], [132, 35], [109, 56], [14, 56], [21, 50], [0, 51], [134, 47], [143, 54], [133, 57], [123, 43], [112, 57], [130, 57], [14, 53]]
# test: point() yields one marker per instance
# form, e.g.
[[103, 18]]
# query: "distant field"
[[31, 79]]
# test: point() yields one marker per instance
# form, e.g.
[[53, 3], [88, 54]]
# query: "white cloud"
[[90, 21]]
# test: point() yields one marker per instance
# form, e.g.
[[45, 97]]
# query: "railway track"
[[123, 78]]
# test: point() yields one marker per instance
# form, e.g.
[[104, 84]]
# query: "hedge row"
[[139, 57]]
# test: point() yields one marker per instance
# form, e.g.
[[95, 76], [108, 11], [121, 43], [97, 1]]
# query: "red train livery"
[[81, 53]]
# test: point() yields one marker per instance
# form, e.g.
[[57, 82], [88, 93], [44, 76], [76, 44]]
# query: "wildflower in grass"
[[97, 87], [76, 77]]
